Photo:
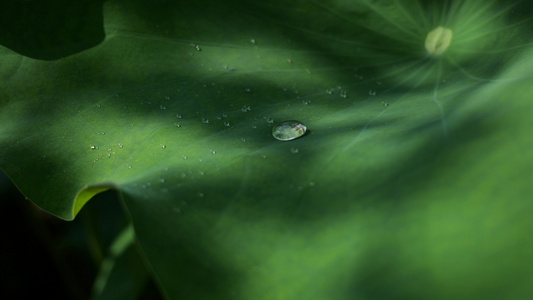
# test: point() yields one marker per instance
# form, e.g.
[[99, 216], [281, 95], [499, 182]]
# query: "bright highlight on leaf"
[[438, 40]]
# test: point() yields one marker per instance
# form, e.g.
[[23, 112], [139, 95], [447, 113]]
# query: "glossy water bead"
[[289, 130]]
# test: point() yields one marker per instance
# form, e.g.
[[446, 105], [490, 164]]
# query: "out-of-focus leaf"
[[50, 29]]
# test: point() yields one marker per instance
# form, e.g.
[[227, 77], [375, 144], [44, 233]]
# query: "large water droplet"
[[289, 130]]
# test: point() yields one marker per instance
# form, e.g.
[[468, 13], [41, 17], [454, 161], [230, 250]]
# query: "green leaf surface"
[[413, 180]]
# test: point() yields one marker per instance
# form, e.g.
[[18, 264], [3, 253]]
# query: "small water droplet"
[[329, 91], [343, 94], [93, 147], [226, 123], [289, 130], [197, 47], [163, 146], [162, 180], [270, 120], [185, 157], [161, 106], [294, 150], [201, 173], [120, 145], [248, 90], [201, 195], [306, 102], [129, 166], [178, 116], [178, 125], [205, 120], [384, 104], [246, 109], [213, 152], [254, 126], [372, 93]]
